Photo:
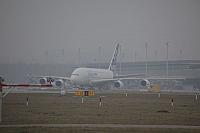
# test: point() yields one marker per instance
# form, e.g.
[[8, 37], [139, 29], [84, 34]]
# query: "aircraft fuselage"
[[83, 76]]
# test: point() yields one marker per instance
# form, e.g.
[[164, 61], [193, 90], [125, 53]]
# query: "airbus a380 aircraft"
[[92, 77]]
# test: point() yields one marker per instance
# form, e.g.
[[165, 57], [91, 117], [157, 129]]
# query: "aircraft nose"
[[74, 78]]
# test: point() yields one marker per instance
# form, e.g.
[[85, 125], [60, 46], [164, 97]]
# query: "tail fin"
[[114, 59]]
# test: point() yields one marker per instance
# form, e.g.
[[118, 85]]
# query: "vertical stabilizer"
[[113, 63]]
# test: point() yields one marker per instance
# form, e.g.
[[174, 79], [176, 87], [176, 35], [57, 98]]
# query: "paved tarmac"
[[101, 126]]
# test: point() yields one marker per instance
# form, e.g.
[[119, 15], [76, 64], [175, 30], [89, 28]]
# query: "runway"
[[102, 126]]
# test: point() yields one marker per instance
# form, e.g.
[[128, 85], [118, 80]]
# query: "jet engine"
[[118, 84], [146, 83], [43, 81], [59, 83], [46, 80], [1, 80]]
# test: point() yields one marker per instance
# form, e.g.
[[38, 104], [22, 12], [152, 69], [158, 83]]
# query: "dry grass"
[[117, 108]]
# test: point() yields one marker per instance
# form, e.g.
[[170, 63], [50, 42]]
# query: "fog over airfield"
[[30, 28]]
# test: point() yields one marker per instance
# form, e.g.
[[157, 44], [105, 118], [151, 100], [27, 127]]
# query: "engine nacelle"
[[46, 80], [43, 81], [59, 83], [145, 83], [118, 84], [1, 79]]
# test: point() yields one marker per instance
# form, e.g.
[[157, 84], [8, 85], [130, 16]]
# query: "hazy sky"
[[29, 28]]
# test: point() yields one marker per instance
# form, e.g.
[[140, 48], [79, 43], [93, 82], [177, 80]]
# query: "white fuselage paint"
[[83, 76]]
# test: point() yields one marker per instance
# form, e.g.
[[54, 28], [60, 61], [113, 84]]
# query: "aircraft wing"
[[166, 78], [102, 81], [53, 77], [129, 75], [119, 77]]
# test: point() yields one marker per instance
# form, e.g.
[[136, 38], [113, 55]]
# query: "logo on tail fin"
[[113, 63]]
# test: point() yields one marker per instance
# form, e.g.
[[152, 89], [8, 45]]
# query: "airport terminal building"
[[188, 69]]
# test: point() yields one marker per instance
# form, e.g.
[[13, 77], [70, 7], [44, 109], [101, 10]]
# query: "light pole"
[[47, 56], [167, 67], [156, 53], [135, 55], [63, 55], [99, 49], [180, 53], [79, 57], [146, 46]]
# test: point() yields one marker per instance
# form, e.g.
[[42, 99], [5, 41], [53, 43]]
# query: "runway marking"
[[102, 126]]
